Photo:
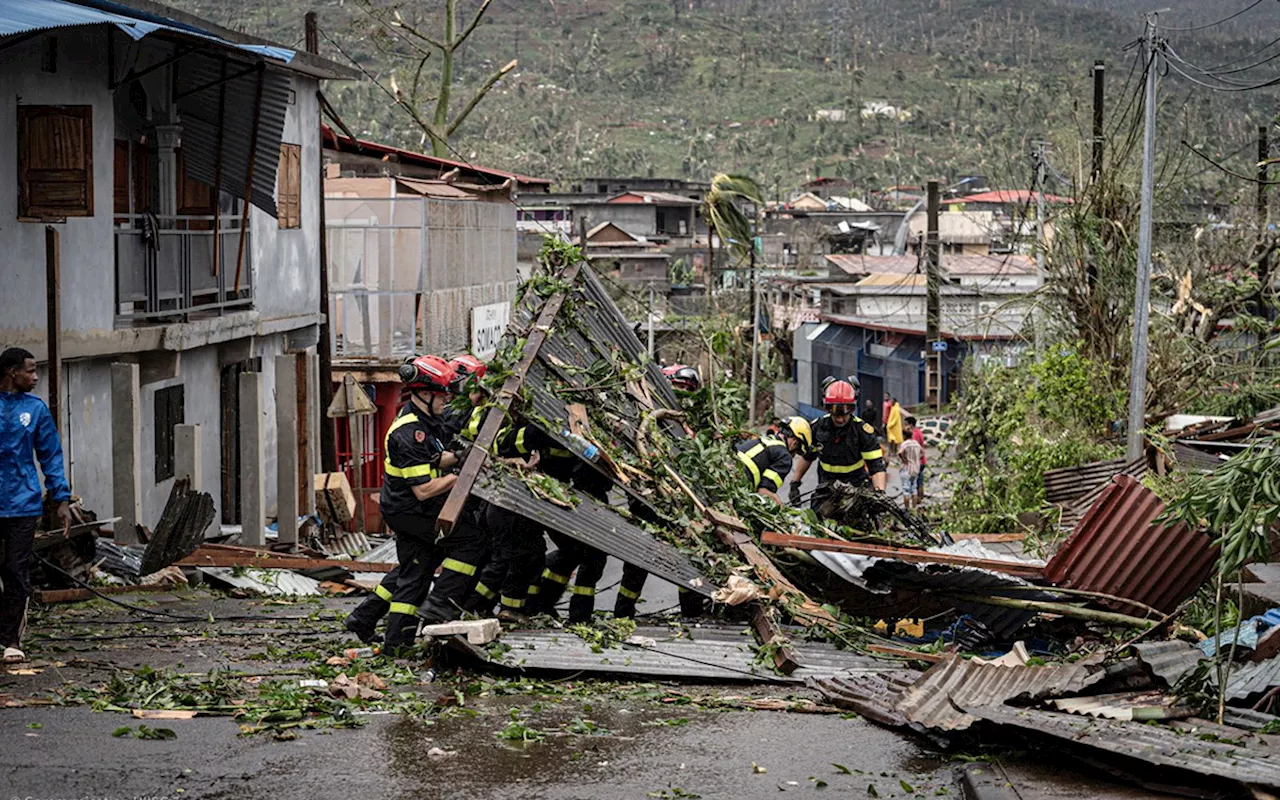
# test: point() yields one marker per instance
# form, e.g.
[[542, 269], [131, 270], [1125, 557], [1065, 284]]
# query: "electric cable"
[[1214, 24]]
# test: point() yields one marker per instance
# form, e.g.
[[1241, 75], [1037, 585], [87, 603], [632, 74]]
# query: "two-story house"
[[177, 165]]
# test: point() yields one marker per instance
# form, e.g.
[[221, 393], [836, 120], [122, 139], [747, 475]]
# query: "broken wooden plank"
[[212, 556], [784, 658], [52, 596], [796, 602], [902, 652], [1014, 568], [501, 404]]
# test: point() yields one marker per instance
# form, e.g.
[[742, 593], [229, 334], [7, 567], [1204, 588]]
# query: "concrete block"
[[252, 462], [235, 351], [187, 455], [126, 452], [287, 448], [477, 631], [160, 365], [314, 415]]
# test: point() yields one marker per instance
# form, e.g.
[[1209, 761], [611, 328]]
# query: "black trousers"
[[633, 579], [465, 550], [414, 551], [570, 554], [17, 535], [514, 565]]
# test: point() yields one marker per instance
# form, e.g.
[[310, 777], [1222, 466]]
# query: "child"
[[911, 457]]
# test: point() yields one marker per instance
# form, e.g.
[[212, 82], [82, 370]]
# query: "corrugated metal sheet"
[[1248, 719], [597, 525], [1118, 549], [1155, 744], [1170, 660], [1252, 680], [383, 553], [20, 16], [1194, 458], [202, 78], [1071, 483], [274, 582], [123, 560], [1245, 636], [1074, 511], [953, 686], [715, 653], [874, 696], [1126, 706]]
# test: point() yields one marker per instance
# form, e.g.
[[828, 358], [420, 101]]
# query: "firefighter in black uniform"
[[414, 487], [466, 549], [768, 460], [459, 423], [686, 382], [846, 447]]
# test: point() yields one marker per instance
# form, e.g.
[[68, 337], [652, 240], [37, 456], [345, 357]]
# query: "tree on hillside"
[[418, 34]]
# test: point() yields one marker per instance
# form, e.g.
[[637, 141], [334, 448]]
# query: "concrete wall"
[[638, 219]]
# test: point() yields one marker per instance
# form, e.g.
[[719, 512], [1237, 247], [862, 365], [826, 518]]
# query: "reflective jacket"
[[26, 426], [767, 461], [413, 447], [849, 453]]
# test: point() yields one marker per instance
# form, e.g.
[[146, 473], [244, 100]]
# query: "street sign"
[[939, 347], [487, 325]]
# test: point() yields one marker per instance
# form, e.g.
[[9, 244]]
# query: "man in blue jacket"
[[26, 427]]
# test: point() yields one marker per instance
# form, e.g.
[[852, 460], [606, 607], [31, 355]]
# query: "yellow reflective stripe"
[[458, 566], [520, 448], [404, 419], [383, 592], [534, 588], [769, 474], [839, 468], [510, 602], [552, 576], [627, 593], [419, 471], [473, 425], [745, 458], [486, 592], [587, 591], [872, 455], [404, 608]]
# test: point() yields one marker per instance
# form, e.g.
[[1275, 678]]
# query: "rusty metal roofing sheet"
[[597, 525], [874, 695], [1118, 549], [1170, 660], [1127, 706], [954, 686], [1070, 483], [713, 653], [1160, 745], [1074, 511]]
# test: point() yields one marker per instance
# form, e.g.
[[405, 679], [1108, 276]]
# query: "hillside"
[[690, 87]]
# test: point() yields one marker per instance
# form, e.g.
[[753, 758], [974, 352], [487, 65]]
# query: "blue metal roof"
[[24, 16]]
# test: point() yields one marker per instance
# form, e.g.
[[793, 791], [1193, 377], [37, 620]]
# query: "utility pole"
[[933, 309], [1038, 317], [324, 348], [651, 321], [1264, 152], [1142, 291], [1099, 77]]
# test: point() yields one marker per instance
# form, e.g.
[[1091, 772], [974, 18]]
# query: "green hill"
[[692, 87]]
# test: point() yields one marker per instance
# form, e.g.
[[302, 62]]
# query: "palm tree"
[[722, 208]]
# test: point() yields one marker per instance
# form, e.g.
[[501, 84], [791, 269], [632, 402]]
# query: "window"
[[168, 412], [55, 162], [289, 186]]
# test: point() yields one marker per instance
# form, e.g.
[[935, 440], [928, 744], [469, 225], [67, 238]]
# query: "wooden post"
[[53, 327], [1099, 78], [355, 435], [328, 447]]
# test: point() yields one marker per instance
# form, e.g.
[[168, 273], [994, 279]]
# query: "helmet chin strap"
[[426, 397]]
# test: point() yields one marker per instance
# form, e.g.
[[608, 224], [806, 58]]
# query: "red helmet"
[[466, 367], [683, 377], [431, 373], [838, 393]]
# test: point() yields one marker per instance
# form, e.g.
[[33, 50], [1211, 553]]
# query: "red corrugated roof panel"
[[1119, 549]]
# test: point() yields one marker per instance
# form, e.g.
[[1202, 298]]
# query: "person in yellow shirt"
[[893, 423]]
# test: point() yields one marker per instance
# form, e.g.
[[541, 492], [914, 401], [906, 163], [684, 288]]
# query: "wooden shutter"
[[55, 162], [289, 186], [120, 176]]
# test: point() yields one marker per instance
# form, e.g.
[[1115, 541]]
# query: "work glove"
[[793, 494]]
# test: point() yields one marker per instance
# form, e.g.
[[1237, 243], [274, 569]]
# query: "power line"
[[1242, 11]]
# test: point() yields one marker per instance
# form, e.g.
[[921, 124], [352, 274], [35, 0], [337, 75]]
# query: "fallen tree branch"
[[1045, 607]]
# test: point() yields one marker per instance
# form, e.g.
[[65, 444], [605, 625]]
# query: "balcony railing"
[[169, 269]]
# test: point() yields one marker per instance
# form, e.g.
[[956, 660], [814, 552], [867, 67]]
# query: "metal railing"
[[169, 269]]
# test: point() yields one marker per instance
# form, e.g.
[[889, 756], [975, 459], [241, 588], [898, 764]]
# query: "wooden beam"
[[479, 452], [796, 602], [214, 556], [1016, 569], [51, 596]]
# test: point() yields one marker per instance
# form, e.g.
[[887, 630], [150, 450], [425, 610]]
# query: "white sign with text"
[[487, 326]]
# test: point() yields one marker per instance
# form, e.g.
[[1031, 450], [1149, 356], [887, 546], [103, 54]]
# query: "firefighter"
[[768, 460], [845, 446], [466, 549], [685, 381], [415, 484]]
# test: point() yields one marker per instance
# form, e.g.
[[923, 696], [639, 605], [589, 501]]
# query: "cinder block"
[[477, 631]]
